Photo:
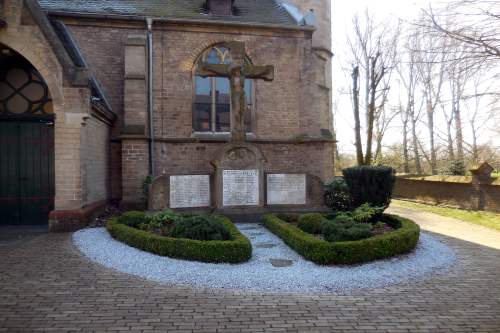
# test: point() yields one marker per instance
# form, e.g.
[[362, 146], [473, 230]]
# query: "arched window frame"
[[213, 126], [37, 108]]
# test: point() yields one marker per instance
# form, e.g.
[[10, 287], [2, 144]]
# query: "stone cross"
[[237, 72]]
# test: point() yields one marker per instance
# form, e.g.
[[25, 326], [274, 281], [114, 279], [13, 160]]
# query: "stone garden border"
[[236, 250], [321, 252]]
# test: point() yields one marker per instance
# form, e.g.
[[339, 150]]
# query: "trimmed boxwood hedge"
[[402, 240], [233, 251]]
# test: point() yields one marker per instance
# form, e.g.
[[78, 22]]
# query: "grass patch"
[[486, 219]]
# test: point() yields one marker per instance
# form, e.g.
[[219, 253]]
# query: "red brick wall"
[[447, 193], [282, 109]]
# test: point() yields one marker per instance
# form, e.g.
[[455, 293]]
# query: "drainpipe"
[[149, 23]]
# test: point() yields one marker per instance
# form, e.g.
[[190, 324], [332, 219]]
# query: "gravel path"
[[261, 272]]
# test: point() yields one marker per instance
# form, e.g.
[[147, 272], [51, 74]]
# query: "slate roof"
[[260, 12]]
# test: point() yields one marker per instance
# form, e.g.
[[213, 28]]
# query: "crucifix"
[[237, 72]]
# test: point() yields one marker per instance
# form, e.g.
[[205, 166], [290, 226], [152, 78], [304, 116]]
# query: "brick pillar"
[[481, 175], [135, 142]]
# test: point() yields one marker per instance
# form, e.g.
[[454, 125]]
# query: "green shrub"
[[289, 217], [311, 223], [236, 250], [346, 231], [166, 216], [133, 218], [455, 168], [370, 184], [337, 195], [367, 213], [387, 245], [200, 227], [343, 218]]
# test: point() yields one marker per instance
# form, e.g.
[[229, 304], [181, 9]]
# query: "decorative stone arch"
[[197, 52]]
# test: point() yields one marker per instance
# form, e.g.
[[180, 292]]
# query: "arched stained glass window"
[[23, 92], [212, 100]]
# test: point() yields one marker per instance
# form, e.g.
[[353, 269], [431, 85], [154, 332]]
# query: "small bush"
[[200, 227], [337, 195], [367, 213], [133, 219], [347, 231], [311, 223], [344, 218], [369, 184], [164, 216]]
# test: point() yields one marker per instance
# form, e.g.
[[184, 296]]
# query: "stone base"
[[127, 205], [73, 220]]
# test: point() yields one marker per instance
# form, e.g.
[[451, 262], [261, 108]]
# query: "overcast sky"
[[342, 13]]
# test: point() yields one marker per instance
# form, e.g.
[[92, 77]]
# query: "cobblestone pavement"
[[47, 286]]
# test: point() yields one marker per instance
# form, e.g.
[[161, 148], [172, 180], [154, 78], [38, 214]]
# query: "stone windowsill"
[[218, 136]]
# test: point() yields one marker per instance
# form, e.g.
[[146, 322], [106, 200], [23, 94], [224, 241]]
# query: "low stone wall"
[[461, 192]]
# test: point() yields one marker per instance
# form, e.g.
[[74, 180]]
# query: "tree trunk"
[[475, 152], [370, 117], [430, 125], [406, 164], [357, 123], [451, 151], [458, 131], [416, 154]]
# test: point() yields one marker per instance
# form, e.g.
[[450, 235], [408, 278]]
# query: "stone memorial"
[[239, 172], [240, 187], [239, 176], [189, 191], [286, 189]]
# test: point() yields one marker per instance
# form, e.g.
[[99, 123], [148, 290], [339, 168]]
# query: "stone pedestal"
[[157, 199], [239, 177]]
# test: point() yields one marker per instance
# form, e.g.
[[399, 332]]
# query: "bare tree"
[[475, 23], [383, 121], [430, 65], [373, 49], [409, 79], [481, 86]]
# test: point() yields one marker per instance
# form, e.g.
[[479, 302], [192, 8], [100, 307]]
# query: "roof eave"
[[181, 21]]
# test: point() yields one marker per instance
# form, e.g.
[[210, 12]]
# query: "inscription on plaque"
[[189, 191], [240, 187], [286, 189]]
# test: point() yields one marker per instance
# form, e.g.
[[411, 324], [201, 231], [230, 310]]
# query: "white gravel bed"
[[258, 274]]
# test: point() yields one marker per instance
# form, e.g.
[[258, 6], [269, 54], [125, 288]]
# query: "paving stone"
[[46, 285], [265, 245], [281, 262]]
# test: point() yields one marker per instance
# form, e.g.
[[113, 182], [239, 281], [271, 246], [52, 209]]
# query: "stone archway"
[[27, 186]]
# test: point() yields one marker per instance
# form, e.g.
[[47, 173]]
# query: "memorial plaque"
[[286, 189], [189, 191], [240, 187]]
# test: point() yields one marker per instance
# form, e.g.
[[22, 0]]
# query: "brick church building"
[[97, 95]]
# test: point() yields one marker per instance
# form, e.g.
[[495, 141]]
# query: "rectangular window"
[[202, 118], [212, 107], [222, 105]]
